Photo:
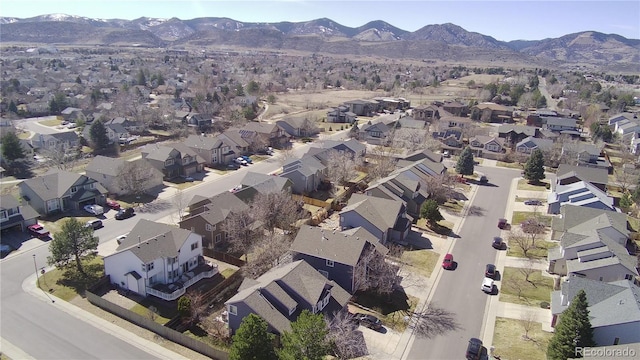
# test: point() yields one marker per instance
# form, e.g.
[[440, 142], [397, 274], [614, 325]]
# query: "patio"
[[174, 290]]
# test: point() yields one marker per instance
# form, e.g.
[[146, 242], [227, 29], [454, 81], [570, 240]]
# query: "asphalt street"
[[458, 291]]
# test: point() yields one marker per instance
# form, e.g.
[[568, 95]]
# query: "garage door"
[[87, 202]]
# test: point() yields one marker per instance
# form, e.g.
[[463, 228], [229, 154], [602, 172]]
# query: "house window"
[[616, 341], [210, 227], [329, 263], [218, 238], [194, 246], [233, 310], [74, 189], [53, 204], [3, 214], [149, 266], [168, 162], [628, 277], [324, 273]]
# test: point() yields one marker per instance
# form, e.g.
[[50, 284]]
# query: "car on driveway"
[[94, 209], [38, 231], [112, 204], [124, 213], [487, 285], [94, 224], [121, 238], [474, 349], [241, 161], [533, 202], [447, 263], [368, 320], [247, 159], [490, 271], [497, 242]]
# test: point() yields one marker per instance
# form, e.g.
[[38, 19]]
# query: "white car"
[[487, 285], [94, 209], [241, 161], [121, 238]]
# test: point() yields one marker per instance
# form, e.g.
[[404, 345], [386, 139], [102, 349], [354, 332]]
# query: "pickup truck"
[[94, 209]]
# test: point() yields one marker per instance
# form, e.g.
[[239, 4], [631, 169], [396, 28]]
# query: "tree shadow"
[[475, 210], [154, 207], [72, 278]]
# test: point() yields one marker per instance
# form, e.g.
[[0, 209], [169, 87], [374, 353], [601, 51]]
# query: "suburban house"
[[306, 174], [270, 134], [581, 152], [455, 108], [298, 126], [613, 120], [592, 245], [206, 216], [568, 174], [362, 107], [389, 104], [426, 113], [337, 255], [238, 141], [341, 114], [214, 150], [72, 114], [451, 139], [386, 219], [199, 120], [449, 121], [423, 154], [487, 146], [56, 141], [614, 308], [408, 122], [579, 193], [60, 191], [627, 128], [108, 172], [173, 160], [561, 125], [351, 146], [14, 215], [528, 144], [159, 260], [116, 133], [374, 134], [131, 126], [281, 294], [403, 185], [253, 183], [513, 134], [492, 112]]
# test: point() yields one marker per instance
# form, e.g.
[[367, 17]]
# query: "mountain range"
[[376, 38]]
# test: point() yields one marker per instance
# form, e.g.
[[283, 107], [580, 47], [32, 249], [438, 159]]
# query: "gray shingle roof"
[[518, 129], [106, 165], [382, 213], [340, 247], [150, 240], [219, 207], [54, 184], [202, 142]]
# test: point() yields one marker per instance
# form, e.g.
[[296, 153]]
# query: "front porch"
[[174, 290]]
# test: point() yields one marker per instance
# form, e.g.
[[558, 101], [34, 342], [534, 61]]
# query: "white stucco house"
[[158, 259]]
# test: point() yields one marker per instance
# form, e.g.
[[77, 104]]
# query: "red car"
[[38, 231], [113, 205], [447, 263]]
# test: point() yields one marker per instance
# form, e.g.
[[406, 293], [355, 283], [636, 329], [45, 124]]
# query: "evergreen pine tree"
[[252, 341], [11, 148], [572, 330], [464, 166], [534, 168], [12, 107], [307, 339], [98, 134]]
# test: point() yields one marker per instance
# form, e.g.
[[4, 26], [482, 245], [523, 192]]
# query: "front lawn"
[[509, 342], [542, 186], [391, 311], [520, 216], [452, 206], [51, 122], [68, 283], [54, 224], [540, 252], [513, 165], [515, 289], [421, 261], [163, 314]]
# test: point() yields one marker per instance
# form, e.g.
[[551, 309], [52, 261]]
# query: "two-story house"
[[375, 134], [362, 107], [214, 150], [60, 191], [427, 113], [298, 126], [492, 112], [341, 114], [561, 125], [158, 259], [402, 185], [528, 144], [455, 108], [337, 255], [386, 219], [270, 134], [281, 294], [513, 134], [206, 216], [14, 215], [173, 160], [487, 146], [592, 245], [57, 141], [109, 171], [306, 174]]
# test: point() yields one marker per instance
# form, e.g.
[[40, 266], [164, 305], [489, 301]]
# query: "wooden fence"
[[223, 256], [325, 204]]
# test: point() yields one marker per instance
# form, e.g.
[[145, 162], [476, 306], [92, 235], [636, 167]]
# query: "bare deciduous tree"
[[410, 139], [432, 321], [514, 285], [135, 177], [527, 271], [288, 211], [522, 241], [528, 320], [61, 157], [346, 343], [179, 203], [341, 167], [375, 272], [243, 231], [440, 187], [270, 251], [381, 163], [198, 307]]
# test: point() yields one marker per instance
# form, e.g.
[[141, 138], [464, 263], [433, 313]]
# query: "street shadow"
[[475, 210], [498, 276], [154, 207]]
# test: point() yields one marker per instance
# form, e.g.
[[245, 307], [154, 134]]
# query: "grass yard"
[[55, 224], [23, 135], [51, 122], [523, 199], [513, 165], [423, 261], [68, 283], [509, 342], [227, 273], [524, 185], [452, 206], [163, 315], [390, 311], [529, 295], [520, 216], [539, 253]]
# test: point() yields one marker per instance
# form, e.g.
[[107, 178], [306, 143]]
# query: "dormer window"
[[168, 162], [74, 189], [329, 263]]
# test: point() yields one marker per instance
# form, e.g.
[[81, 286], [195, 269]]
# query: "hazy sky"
[[504, 20]]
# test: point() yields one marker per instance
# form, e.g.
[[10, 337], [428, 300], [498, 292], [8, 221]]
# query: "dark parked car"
[[368, 320], [497, 243], [39, 231], [490, 271], [533, 202], [124, 213], [502, 223], [484, 179], [474, 349]]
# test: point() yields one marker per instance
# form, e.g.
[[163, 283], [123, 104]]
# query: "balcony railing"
[[172, 291]]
